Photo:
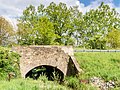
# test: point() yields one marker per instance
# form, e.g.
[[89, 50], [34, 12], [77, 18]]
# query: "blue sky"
[[87, 2], [116, 2]]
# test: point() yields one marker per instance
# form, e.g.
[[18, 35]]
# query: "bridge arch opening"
[[52, 73]]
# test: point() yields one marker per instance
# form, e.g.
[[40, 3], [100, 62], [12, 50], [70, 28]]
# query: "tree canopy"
[[62, 25], [97, 24], [54, 21]]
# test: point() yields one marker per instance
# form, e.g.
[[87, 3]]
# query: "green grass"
[[105, 65], [29, 84], [71, 83], [101, 64]]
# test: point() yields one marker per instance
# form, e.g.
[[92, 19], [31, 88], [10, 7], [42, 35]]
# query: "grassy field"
[[101, 64], [29, 84], [94, 64], [105, 65], [71, 83]]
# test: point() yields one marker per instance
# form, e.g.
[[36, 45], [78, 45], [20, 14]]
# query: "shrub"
[[9, 62]]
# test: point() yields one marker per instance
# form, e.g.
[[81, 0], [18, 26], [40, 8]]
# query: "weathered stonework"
[[61, 57]]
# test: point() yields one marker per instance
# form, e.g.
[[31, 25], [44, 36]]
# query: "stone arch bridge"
[[61, 57]]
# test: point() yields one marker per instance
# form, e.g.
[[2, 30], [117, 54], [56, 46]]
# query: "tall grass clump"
[[75, 84], [72, 82]]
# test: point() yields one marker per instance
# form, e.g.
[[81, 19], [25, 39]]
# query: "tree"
[[77, 24], [50, 25], [60, 16], [113, 38], [99, 22], [44, 32], [97, 42], [35, 28], [26, 26], [6, 31]]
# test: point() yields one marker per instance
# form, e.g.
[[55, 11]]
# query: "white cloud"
[[118, 9], [14, 8]]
